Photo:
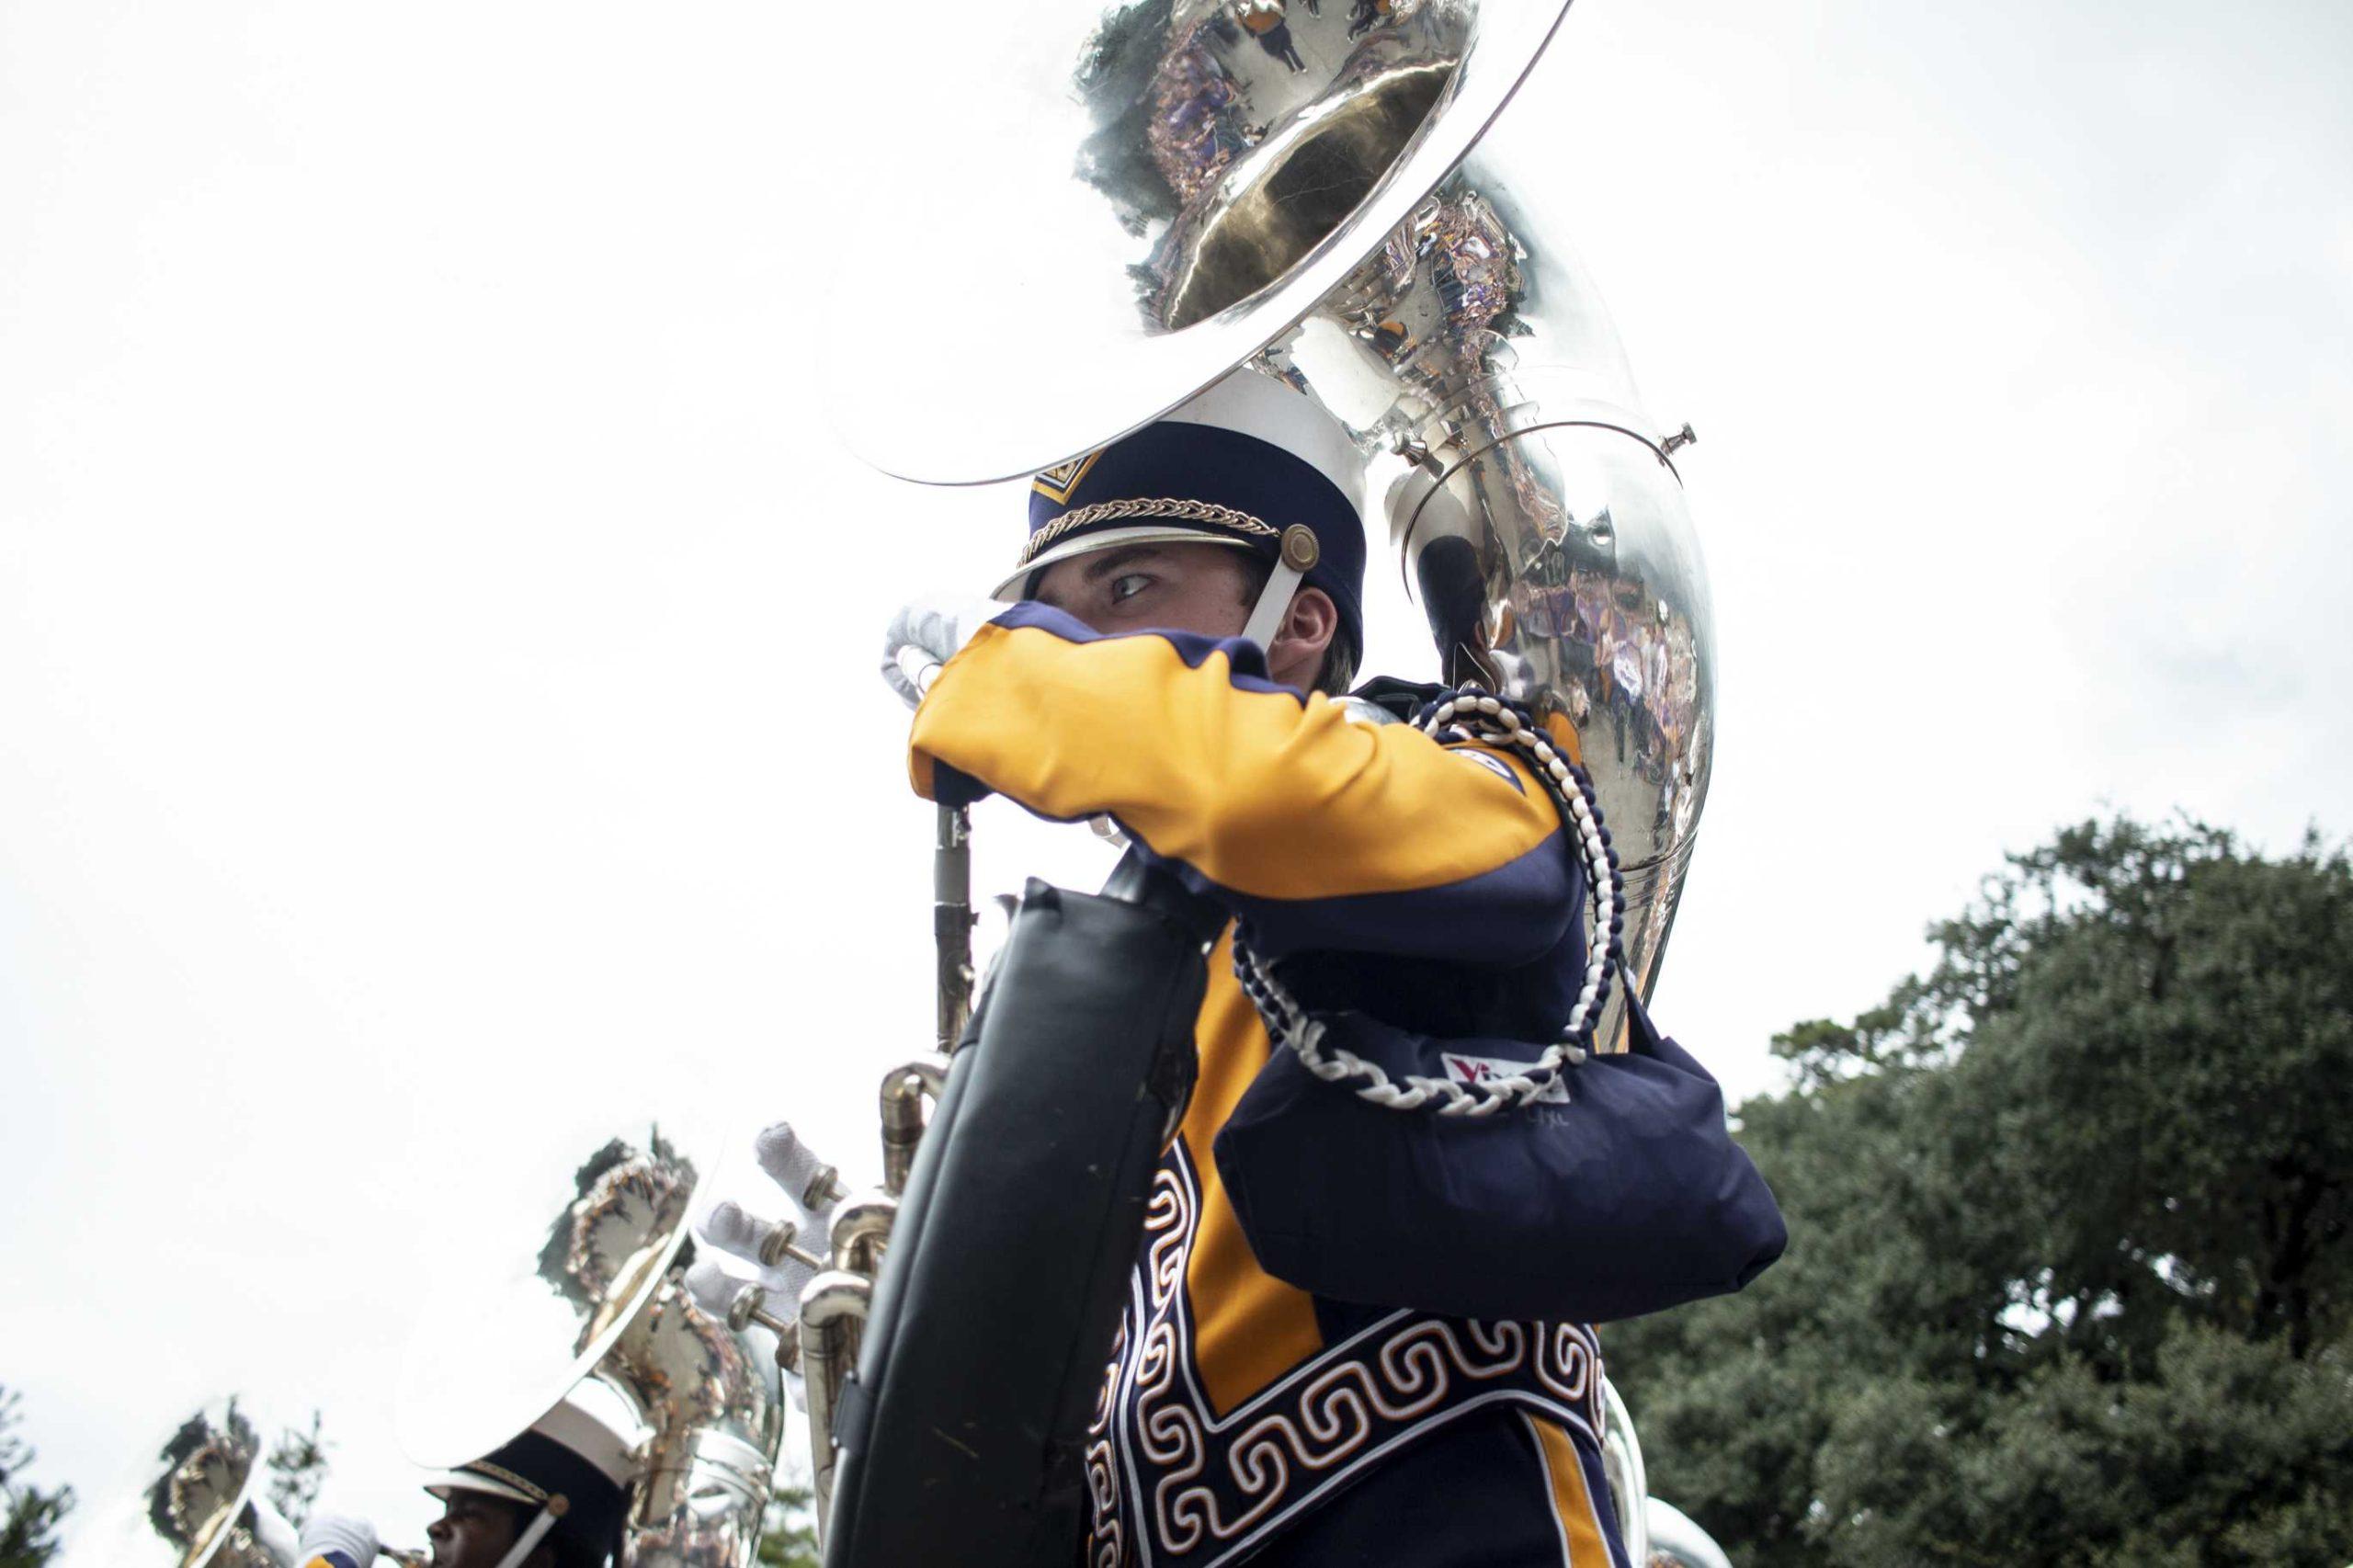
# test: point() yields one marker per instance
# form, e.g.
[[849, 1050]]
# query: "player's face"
[[1169, 587], [474, 1530]]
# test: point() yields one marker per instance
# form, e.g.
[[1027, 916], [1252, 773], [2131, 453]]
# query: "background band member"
[[1190, 603], [554, 1497], [1262, 20]]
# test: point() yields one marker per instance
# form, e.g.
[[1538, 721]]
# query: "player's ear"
[[1309, 624]]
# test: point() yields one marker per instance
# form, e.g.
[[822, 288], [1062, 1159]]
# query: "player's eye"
[[1128, 585]]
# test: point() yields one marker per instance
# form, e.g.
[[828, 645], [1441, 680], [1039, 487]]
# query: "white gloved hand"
[[926, 635], [353, 1537], [731, 1228], [715, 1289]]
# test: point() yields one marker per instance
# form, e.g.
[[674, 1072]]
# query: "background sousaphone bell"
[[199, 1500]]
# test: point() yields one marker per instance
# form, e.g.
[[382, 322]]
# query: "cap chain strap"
[[1173, 507], [1470, 714]]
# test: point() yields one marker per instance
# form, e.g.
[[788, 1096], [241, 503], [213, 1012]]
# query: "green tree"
[[29, 1516], [298, 1468], [788, 1534], [2067, 1280]]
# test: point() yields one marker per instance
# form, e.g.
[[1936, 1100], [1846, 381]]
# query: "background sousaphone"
[[199, 1499], [595, 1309]]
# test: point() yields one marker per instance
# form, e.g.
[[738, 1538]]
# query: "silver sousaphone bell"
[[1103, 208], [198, 1499]]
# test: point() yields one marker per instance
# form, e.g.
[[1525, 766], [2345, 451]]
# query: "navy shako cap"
[[1176, 479], [535, 1467]]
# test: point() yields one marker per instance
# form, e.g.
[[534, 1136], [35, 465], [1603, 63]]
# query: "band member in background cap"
[[1189, 611], [554, 1497]]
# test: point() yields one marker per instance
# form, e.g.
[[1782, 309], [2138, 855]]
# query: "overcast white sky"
[[437, 708]]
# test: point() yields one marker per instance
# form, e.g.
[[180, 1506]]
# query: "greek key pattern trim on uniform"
[[1172, 1482], [1106, 1542]]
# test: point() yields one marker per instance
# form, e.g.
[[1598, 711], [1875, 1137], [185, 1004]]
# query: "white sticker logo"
[[1484, 1069]]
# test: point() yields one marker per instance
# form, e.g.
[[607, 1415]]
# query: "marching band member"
[[1262, 20], [554, 1497], [1188, 615]]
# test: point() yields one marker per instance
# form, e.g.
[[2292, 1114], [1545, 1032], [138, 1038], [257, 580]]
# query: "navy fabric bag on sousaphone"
[[1620, 1192], [961, 1435]]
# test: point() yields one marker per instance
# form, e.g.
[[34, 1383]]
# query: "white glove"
[[926, 635], [355, 1538], [732, 1230]]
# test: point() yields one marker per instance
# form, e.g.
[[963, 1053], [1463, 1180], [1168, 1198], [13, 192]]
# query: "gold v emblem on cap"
[[1058, 482]]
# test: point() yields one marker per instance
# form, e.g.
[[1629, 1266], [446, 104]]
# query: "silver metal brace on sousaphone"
[[1083, 214]]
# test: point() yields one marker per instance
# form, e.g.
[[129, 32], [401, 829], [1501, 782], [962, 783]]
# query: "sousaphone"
[[591, 1306], [1070, 218], [1075, 216], [198, 1498]]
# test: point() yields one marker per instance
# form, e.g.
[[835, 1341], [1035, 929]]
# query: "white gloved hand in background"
[[926, 633], [328, 1535], [735, 1232]]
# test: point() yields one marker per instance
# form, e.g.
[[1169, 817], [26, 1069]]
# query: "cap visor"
[[1112, 539], [449, 1480]]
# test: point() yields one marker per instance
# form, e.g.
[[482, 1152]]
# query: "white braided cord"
[[1470, 715]]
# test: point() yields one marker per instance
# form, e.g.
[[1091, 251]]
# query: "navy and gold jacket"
[[1428, 883]]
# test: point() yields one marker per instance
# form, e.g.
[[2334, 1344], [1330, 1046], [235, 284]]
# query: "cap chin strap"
[[535, 1532], [1299, 552]]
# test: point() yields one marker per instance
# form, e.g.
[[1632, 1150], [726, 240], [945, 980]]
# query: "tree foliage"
[[2068, 1280], [788, 1535], [298, 1468], [29, 1516]]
